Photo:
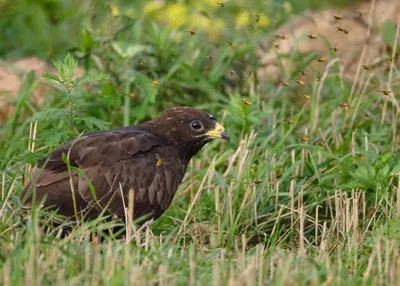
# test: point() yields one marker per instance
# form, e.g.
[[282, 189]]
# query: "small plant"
[[68, 83]]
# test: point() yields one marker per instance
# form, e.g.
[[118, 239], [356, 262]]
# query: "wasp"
[[210, 57], [305, 139], [368, 68], [300, 82], [385, 92], [192, 33], [222, 5], [285, 83], [345, 106], [320, 143], [321, 59], [159, 163], [258, 17], [386, 69], [246, 102], [232, 45], [289, 121], [318, 78], [390, 61], [365, 115], [307, 96], [358, 14], [282, 37], [154, 83], [334, 49], [142, 63], [231, 73], [362, 158], [251, 78], [344, 31], [302, 73], [312, 36], [278, 47], [337, 18], [258, 182]]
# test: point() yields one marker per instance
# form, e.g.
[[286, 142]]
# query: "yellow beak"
[[218, 132]]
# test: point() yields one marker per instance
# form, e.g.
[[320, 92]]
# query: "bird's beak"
[[218, 132]]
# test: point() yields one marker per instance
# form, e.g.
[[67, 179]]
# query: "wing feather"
[[123, 158]]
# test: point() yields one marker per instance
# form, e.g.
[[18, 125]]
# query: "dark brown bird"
[[151, 158]]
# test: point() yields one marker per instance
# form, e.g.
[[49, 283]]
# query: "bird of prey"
[[151, 158]]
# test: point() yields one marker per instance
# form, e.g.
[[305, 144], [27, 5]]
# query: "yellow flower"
[[152, 7], [264, 21], [288, 7], [175, 14], [200, 22], [218, 26], [242, 20], [114, 10]]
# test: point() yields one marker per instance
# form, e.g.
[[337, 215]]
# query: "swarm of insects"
[[302, 73], [320, 143], [334, 49], [246, 102], [285, 83], [304, 139], [154, 83], [365, 115], [258, 17], [258, 182], [278, 47], [210, 57], [142, 63], [232, 45], [337, 17], [344, 31], [307, 96], [231, 73], [390, 61], [368, 67], [321, 59], [384, 92], [345, 106], [282, 37], [192, 33], [312, 36], [222, 5], [288, 121], [300, 82], [361, 157], [318, 78]]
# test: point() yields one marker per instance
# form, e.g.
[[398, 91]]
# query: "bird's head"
[[191, 128]]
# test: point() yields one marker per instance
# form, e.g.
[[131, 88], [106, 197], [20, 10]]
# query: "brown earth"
[[323, 24]]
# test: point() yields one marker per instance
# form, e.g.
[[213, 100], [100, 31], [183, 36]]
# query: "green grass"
[[265, 209]]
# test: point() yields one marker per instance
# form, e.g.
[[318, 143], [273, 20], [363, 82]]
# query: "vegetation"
[[306, 193]]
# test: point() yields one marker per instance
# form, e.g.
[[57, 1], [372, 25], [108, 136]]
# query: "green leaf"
[[51, 77], [92, 77], [51, 114], [127, 50], [389, 32], [90, 122]]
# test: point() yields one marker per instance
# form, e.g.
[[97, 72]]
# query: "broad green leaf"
[[92, 77], [127, 50]]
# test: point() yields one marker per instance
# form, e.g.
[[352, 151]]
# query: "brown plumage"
[[151, 158]]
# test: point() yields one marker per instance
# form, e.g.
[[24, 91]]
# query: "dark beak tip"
[[225, 135]]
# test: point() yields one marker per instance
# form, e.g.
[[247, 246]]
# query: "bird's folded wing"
[[113, 162]]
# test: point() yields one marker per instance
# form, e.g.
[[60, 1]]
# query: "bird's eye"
[[196, 125]]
